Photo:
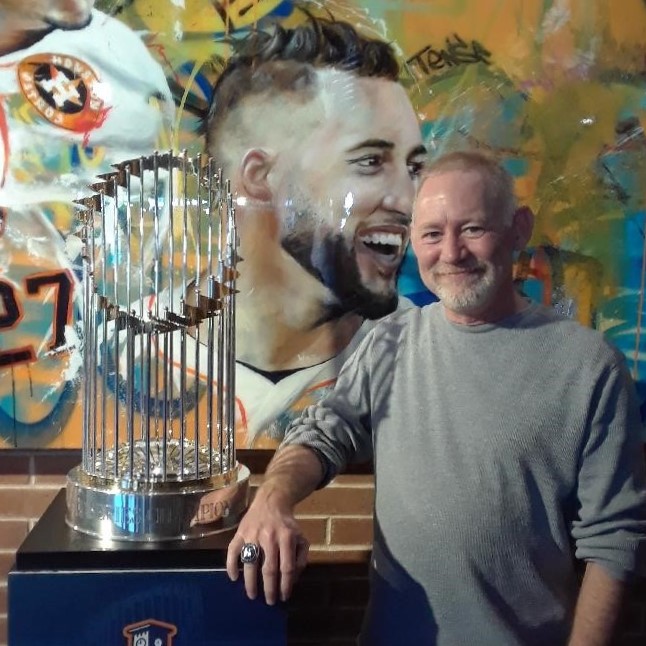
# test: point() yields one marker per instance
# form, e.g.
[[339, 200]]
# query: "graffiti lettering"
[[456, 52]]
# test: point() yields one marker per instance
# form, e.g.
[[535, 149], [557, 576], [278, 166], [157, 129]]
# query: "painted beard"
[[463, 300], [327, 257]]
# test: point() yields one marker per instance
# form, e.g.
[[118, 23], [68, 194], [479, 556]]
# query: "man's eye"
[[432, 236], [473, 232], [369, 162], [415, 168]]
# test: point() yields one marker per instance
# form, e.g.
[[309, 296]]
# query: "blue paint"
[[633, 249], [533, 289], [409, 281], [200, 79], [516, 166], [283, 10]]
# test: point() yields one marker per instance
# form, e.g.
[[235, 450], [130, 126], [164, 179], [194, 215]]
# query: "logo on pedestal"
[[150, 633]]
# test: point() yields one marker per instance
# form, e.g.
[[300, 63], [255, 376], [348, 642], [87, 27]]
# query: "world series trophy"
[[159, 286], [107, 562]]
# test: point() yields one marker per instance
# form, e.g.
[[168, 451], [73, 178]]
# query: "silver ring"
[[250, 553]]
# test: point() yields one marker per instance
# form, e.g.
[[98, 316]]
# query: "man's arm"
[[326, 437], [293, 474], [597, 608], [611, 523]]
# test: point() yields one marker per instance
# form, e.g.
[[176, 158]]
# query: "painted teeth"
[[394, 239]]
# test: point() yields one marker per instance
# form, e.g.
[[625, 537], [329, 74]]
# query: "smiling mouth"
[[385, 244], [458, 273], [467, 274]]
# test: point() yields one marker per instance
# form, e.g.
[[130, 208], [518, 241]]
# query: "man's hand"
[[294, 473], [283, 550]]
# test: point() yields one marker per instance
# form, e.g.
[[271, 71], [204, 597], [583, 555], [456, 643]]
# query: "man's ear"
[[523, 224], [254, 172]]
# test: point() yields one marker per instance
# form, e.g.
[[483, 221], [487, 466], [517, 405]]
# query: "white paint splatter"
[[178, 32], [75, 364], [555, 19]]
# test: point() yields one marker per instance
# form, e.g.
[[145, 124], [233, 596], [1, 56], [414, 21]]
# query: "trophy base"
[[90, 591], [158, 512]]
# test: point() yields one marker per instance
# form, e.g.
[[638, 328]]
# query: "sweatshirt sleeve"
[[611, 525], [337, 428]]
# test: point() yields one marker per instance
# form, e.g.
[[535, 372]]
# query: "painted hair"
[[280, 60]]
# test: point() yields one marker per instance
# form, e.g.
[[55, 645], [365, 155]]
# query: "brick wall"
[[28, 483], [336, 521], [328, 602]]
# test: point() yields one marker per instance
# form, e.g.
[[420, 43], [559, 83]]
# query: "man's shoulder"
[[405, 311], [570, 336], [407, 316]]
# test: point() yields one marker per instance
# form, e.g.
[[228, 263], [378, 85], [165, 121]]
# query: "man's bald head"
[[498, 183]]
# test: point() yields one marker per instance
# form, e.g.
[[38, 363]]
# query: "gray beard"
[[474, 296]]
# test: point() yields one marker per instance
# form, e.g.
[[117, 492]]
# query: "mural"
[[70, 101], [554, 88]]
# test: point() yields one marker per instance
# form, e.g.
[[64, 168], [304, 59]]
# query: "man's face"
[[343, 193], [464, 252], [42, 14]]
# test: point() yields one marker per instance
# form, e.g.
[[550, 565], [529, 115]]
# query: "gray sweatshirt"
[[499, 450]]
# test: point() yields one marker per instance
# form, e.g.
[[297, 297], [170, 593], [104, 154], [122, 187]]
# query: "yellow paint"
[[565, 65], [198, 16]]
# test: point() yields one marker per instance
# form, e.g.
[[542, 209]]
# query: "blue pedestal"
[[67, 589]]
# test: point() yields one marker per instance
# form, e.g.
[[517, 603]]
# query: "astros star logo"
[[63, 89], [60, 88]]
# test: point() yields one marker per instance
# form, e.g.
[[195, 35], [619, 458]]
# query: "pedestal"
[[68, 589]]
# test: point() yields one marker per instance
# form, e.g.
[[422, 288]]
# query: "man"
[[322, 147], [78, 92], [501, 433]]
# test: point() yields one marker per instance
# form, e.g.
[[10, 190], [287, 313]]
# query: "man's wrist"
[[275, 496]]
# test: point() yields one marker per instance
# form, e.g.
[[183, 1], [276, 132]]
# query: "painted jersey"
[[70, 105], [264, 409]]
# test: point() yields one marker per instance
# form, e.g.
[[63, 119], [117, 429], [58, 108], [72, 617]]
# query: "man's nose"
[[452, 249], [400, 194]]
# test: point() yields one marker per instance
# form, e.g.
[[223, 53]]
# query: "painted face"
[[42, 14], [344, 192], [464, 253]]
